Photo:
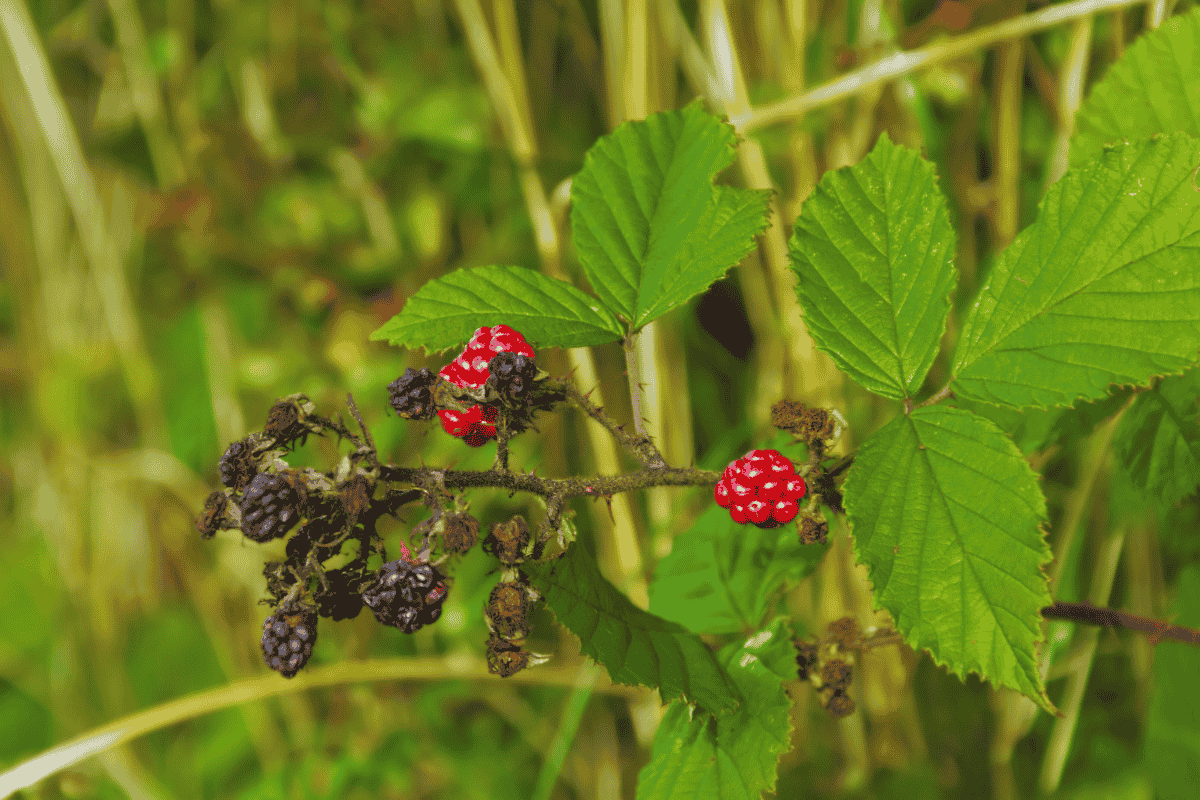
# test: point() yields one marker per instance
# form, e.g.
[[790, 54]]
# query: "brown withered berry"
[[461, 533], [508, 610], [212, 518], [844, 631], [507, 541], [813, 530], [806, 657], [355, 495], [836, 673], [504, 658], [840, 705]]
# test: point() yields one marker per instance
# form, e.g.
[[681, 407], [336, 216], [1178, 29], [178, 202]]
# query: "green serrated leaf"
[[946, 515], [1153, 88], [873, 248], [650, 227], [1035, 429], [1104, 288], [733, 757], [636, 647], [720, 577], [1158, 439], [1172, 743], [548, 312]]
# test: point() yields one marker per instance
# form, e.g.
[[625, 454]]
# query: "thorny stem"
[[640, 445], [374, 456], [1087, 614]]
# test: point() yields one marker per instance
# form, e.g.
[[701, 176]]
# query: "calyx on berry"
[[762, 487], [469, 370]]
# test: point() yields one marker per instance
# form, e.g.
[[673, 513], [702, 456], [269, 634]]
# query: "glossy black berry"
[[512, 374], [410, 395], [288, 638], [237, 466], [406, 594], [342, 600], [270, 506]]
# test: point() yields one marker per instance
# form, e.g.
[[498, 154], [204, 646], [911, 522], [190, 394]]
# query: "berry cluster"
[[828, 665], [470, 370], [762, 487]]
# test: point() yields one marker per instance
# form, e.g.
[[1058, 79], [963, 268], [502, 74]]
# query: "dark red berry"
[[288, 638], [270, 506]]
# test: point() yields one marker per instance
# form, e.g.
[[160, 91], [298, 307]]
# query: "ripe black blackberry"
[[288, 638], [270, 506], [406, 594], [511, 374], [237, 465], [806, 657], [410, 395], [342, 600]]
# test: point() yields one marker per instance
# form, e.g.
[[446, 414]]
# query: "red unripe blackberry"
[[270, 506], [237, 466], [470, 371], [762, 487], [411, 394], [288, 638]]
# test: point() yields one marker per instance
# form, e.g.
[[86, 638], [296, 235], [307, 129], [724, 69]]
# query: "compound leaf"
[[1153, 88], [548, 312], [732, 757], [946, 515], [1158, 439], [720, 577], [1103, 288], [636, 647], [873, 249], [650, 227]]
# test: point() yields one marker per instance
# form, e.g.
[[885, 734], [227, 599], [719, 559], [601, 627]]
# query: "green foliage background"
[[260, 185]]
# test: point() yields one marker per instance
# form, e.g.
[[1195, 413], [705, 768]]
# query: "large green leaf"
[[720, 577], [1104, 288], [1153, 88], [650, 227], [946, 515], [636, 647], [731, 757], [1034, 429], [1158, 440], [1173, 731], [873, 249], [548, 312]]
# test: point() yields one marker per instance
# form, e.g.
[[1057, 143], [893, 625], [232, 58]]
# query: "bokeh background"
[[209, 204]]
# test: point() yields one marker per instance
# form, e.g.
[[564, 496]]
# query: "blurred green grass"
[[292, 173]]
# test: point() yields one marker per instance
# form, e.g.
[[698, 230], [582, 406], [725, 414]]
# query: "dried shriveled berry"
[[280, 579], [237, 466], [508, 609], [843, 631], [507, 541], [283, 421], [460, 534], [504, 658], [288, 638], [806, 657], [270, 506], [355, 495], [836, 673], [411, 394], [813, 530], [840, 705], [212, 518]]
